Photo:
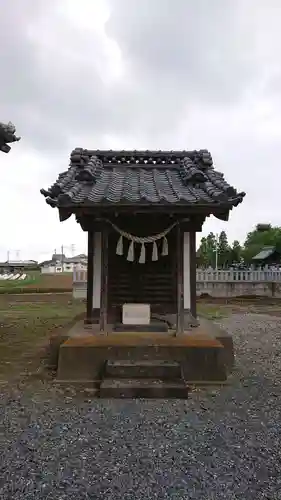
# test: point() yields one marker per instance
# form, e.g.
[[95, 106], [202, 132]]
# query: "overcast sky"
[[162, 74]]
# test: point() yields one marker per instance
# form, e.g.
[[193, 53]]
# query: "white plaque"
[[136, 314]]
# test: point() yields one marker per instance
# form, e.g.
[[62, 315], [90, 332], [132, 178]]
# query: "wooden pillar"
[[90, 277], [104, 281], [179, 262], [186, 272], [97, 276], [192, 246]]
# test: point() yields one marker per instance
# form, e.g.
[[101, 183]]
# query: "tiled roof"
[[97, 178], [7, 134], [58, 257], [65, 260], [264, 253], [19, 263]]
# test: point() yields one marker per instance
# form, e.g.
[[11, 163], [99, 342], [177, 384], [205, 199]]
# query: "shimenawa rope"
[[142, 240]]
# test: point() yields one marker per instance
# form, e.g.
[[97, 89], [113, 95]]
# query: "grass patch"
[[11, 284], [211, 311], [32, 278], [25, 328]]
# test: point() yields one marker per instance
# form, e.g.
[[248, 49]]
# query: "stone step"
[[166, 370], [154, 327], [143, 388]]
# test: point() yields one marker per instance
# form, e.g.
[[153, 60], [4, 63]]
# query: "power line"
[[14, 254]]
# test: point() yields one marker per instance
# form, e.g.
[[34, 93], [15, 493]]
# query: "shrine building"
[[141, 210]]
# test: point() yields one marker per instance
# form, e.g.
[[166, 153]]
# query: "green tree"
[[206, 254], [223, 250], [262, 235], [211, 249], [235, 253], [202, 254]]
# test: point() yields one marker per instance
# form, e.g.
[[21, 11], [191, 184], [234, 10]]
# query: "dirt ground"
[[213, 310], [37, 280], [27, 321]]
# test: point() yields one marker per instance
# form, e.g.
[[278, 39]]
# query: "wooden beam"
[[161, 221], [104, 281], [90, 277], [106, 209], [179, 263], [192, 246]]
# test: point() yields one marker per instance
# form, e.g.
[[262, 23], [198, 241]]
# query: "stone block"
[[136, 314]]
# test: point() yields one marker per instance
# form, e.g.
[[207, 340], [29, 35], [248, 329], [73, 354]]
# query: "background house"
[[18, 266], [268, 256], [59, 263]]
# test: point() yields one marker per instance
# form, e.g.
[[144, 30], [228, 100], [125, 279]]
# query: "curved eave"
[[221, 212], [66, 201]]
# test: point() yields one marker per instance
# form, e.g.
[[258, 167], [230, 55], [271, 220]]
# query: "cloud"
[[131, 74], [200, 48]]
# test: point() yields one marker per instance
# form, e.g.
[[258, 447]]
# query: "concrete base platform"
[[202, 355], [84, 358]]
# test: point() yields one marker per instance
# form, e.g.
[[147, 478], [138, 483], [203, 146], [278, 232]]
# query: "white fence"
[[80, 276], [242, 276]]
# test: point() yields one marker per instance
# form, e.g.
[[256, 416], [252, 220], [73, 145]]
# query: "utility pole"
[[8, 255], [72, 249], [62, 258]]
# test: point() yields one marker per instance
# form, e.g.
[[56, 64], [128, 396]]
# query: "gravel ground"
[[220, 444]]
